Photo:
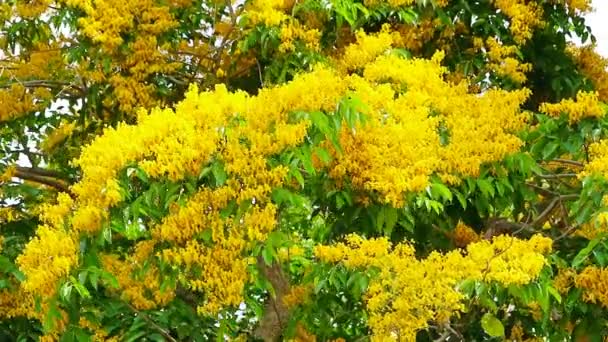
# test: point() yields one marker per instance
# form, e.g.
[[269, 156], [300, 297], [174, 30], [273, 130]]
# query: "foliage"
[[194, 170]]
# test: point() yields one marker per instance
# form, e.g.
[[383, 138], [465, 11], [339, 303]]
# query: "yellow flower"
[[593, 281], [408, 293], [586, 105], [46, 259], [464, 235]]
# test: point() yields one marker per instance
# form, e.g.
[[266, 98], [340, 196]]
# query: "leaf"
[[549, 149], [219, 173], [553, 292], [440, 190], [486, 188], [584, 253], [492, 325]]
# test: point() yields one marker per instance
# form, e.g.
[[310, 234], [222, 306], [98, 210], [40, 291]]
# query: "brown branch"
[[276, 313], [54, 183], [40, 83], [41, 172], [554, 202], [559, 175], [150, 321], [568, 161]]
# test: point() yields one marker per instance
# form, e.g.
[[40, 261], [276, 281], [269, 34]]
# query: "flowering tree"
[[189, 170]]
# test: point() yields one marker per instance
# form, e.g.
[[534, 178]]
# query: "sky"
[[598, 20]]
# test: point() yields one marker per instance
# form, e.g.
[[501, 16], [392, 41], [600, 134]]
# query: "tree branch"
[[150, 321], [568, 161], [54, 183], [41, 172], [275, 313]]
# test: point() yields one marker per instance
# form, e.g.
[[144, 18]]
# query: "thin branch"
[[41, 172], [150, 321], [40, 83], [568, 161], [559, 175], [57, 184], [555, 201]]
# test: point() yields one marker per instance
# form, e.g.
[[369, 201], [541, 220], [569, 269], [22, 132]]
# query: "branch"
[[275, 313], [150, 321], [40, 83], [54, 183], [568, 161], [41, 172], [559, 175], [555, 201]]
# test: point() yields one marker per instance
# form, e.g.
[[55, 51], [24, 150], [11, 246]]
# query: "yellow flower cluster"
[[138, 285], [57, 136], [593, 66], [414, 36], [7, 215], [526, 16], [31, 8], [293, 31], [99, 334], [576, 6], [586, 105], [594, 283], [399, 146], [463, 235], [267, 12], [598, 224], [46, 259], [366, 49], [41, 63], [16, 303], [564, 280], [18, 101], [106, 22], [598, 161], [297, 295], [396, 150], [503, 62], [407, 293]]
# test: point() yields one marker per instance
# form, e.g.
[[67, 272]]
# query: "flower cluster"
[[463, 235], [594, 67], [46, 259], [586, 105], [525, 17], [594, 282], [408, 292], [504, 63]]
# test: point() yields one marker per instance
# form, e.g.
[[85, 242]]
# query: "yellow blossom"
[[586, 105], [408, 292], [46, 259]]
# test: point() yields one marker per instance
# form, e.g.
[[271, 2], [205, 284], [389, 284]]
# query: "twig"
[[40, 172], [569, 162], [57, 184], [542, 216], [150, 321], [559, 175]]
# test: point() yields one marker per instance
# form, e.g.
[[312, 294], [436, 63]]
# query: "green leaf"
[[440, 190], [486, 188], [584, 253], [549, 149], [217, 169], [492, 325]]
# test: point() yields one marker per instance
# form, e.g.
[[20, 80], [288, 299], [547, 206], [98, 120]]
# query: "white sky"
[[598, 20]]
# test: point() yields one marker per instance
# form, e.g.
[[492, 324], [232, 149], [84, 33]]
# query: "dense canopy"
[[329, 170]]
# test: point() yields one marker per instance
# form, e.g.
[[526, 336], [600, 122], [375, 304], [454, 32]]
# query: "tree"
[[190, 170]]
